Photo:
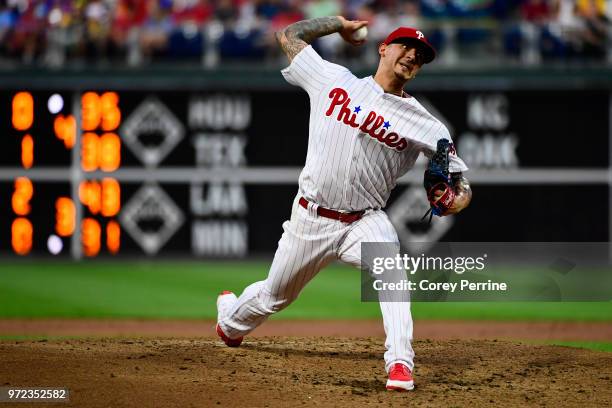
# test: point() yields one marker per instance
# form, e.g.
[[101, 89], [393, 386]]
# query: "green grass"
[[188, 290], [590, 345]]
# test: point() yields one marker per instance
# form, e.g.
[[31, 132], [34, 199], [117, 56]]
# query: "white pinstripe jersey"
[[361, 139]]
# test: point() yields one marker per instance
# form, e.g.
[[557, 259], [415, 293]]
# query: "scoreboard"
[[104, 172], [51, 143], [213, 173]]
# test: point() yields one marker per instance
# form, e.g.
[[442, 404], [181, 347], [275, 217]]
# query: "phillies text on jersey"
[[361, 139]]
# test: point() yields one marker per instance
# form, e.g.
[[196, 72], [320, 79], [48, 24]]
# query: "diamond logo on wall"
[[406, 213], [151, 131], [151, 218]]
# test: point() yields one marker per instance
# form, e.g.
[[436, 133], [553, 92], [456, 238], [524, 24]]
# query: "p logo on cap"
[[408, 33]]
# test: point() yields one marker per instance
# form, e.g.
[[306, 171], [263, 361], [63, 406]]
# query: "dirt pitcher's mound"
[[281, 372]]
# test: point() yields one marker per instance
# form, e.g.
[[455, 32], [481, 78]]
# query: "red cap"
[[413, 34]]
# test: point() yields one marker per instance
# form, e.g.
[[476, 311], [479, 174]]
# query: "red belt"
[[348, 218]]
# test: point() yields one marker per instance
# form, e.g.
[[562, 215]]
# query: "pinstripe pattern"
[[397, 318], [346, 169], [307, 245]]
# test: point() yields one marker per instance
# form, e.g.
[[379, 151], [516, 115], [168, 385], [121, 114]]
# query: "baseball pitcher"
[[364, 133]]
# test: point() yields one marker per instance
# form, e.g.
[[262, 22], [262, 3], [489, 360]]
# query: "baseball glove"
[[437, 181]]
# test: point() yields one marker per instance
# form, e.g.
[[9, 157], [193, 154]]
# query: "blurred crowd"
[[136, 32]]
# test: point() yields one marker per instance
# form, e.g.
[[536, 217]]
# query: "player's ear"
[[381, 49]]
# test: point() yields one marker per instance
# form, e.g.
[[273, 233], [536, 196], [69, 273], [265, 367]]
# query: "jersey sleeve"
[[311, 72], [456, 164], [425, 130]]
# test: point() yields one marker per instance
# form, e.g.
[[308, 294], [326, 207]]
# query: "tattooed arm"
[[297, 36]]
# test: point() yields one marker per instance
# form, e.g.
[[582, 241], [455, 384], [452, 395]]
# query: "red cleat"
[[224, 303], [400, 378], [229, 342]]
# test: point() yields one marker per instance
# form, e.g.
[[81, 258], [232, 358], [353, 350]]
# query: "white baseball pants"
[[308, 244]]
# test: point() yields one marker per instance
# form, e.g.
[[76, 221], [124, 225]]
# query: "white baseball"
[[360, 34]]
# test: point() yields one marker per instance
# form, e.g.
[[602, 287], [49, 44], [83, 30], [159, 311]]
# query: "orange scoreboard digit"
[[57, 158]]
